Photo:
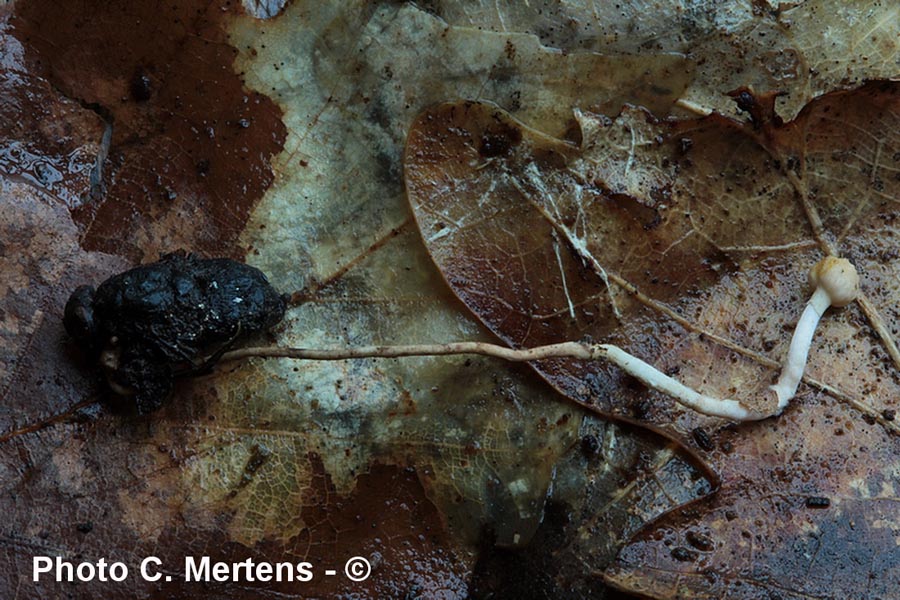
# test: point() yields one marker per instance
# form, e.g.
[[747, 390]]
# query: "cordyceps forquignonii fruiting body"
[[182, 314], [836, 283], [170, 318]]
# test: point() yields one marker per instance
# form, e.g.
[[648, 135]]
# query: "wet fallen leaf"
[[83, 483], [276, 461], [687, 243], [802, 49], [276, 136], [376, 281]]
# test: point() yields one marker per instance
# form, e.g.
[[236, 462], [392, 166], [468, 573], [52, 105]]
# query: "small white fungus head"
[[838, 278]]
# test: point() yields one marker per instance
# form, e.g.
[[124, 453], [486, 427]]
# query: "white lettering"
[[86, 571], [193, 572], [246, 566], [118, 571], [148, 575], [64, 566], [205, 570], [41, 564], [220, 572], [282, 568], [64, 570]]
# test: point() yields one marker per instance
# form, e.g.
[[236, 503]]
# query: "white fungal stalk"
[[836, 282], [653, 378], [647, 374]]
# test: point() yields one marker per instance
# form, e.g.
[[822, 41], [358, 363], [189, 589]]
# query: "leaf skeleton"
[[182, 314]]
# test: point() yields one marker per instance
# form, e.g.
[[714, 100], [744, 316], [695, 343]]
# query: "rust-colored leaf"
[[688, 243], [185, 139]]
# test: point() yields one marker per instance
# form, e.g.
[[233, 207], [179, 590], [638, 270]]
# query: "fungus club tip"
[[838, 278]]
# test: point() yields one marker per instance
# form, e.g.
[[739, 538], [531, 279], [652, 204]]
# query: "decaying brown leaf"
[[336, 223], [81, 482], [802, 49], [105, 162], [185, 140], [130, 128], [687, 243]]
